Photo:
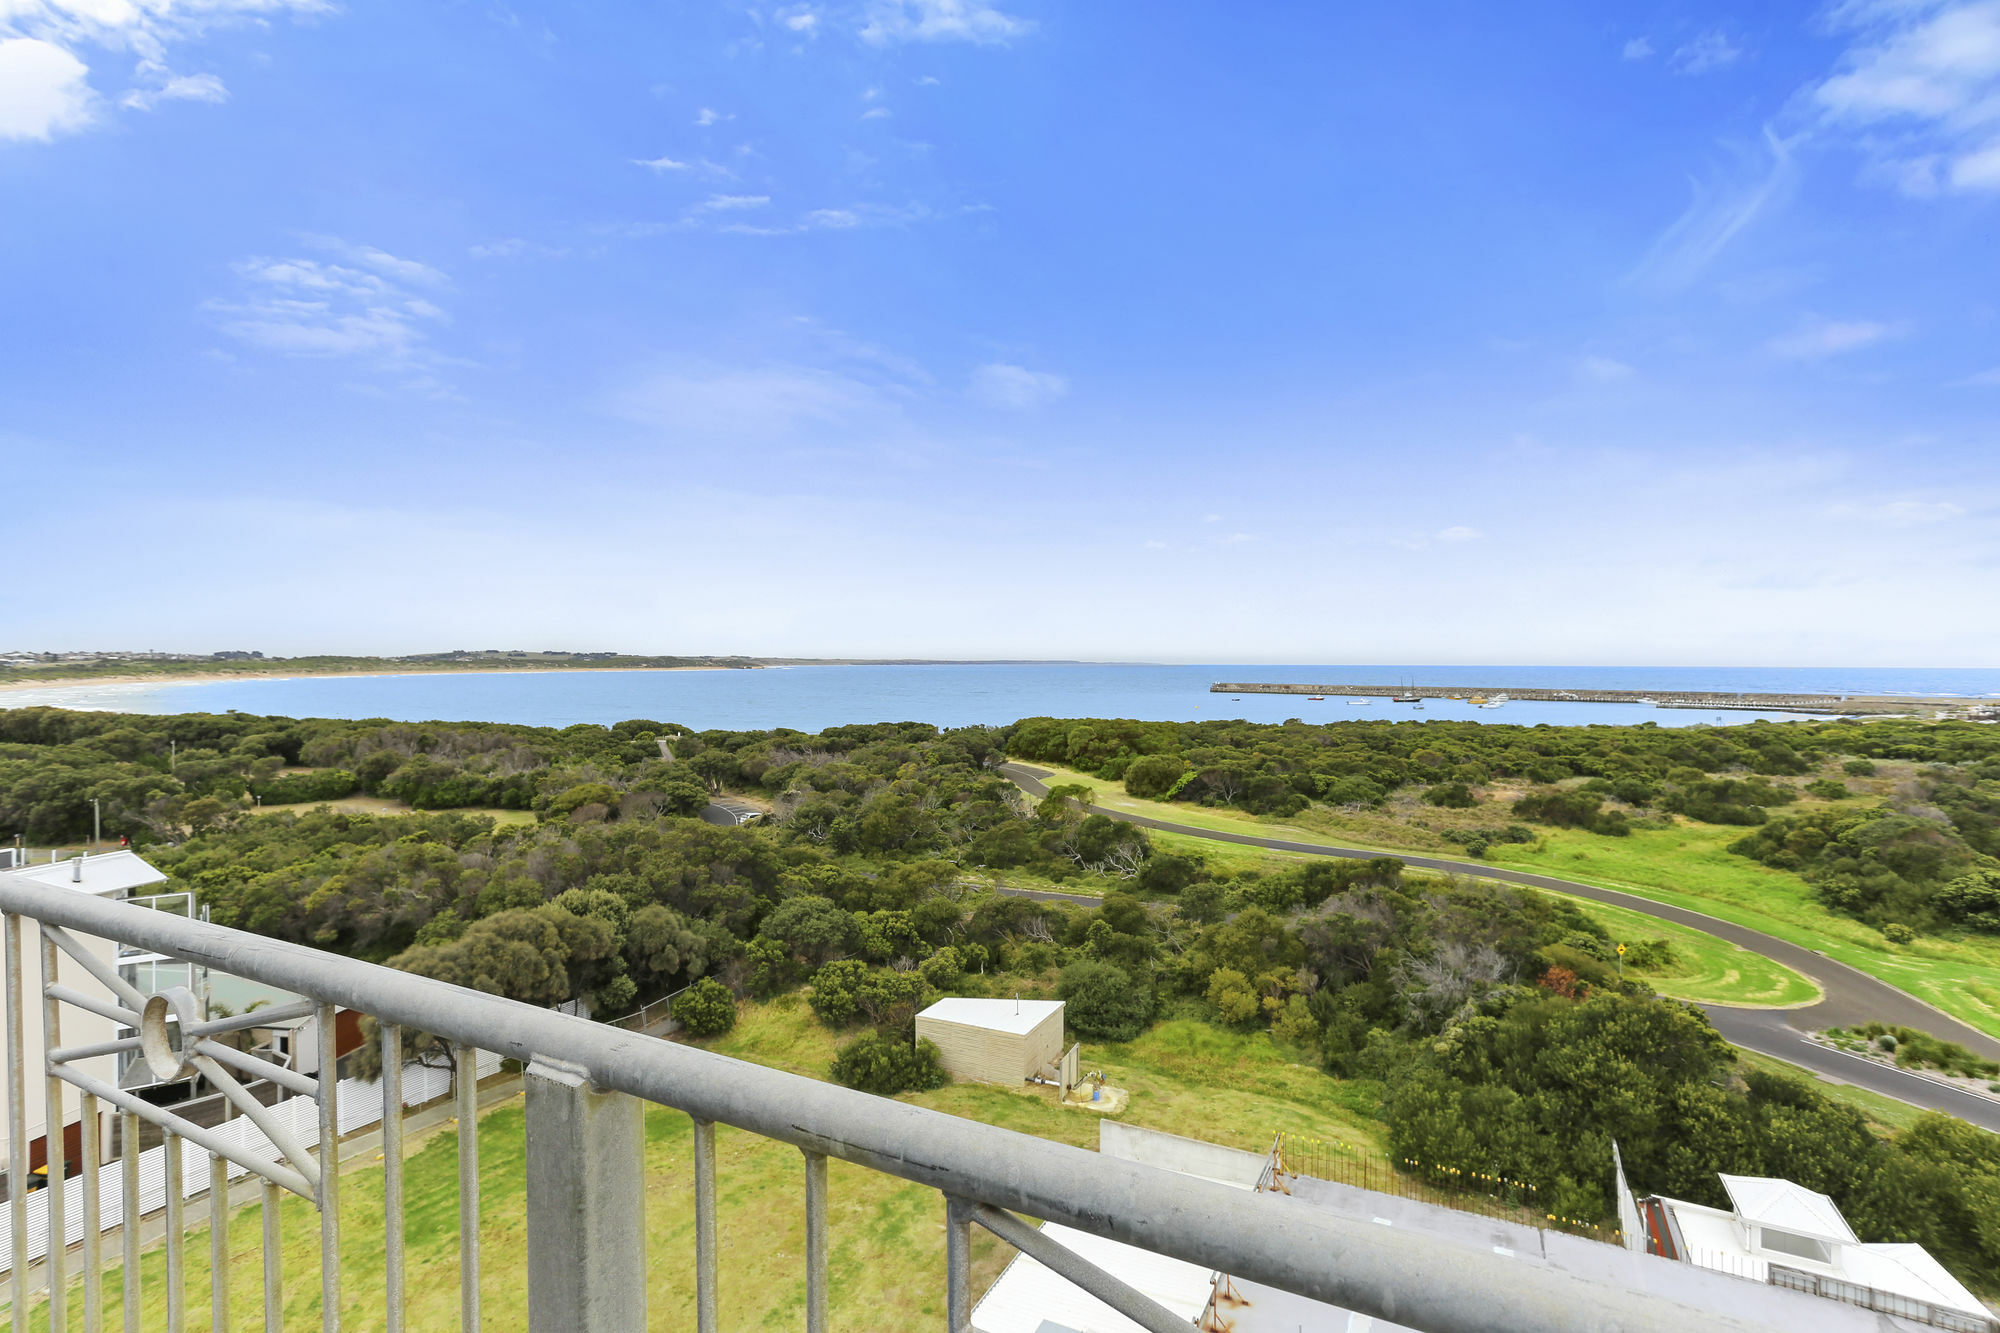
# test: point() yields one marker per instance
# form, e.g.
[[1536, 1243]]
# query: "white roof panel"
[[1907, 1270], [107, 872], [1017, 1016], [1769, 1201]]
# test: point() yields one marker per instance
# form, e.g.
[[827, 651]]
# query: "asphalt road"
[[1849, 996]]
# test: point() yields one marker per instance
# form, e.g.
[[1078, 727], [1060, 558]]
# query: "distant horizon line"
[[611, 659]]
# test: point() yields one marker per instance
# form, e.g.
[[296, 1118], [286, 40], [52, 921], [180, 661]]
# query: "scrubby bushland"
[[1102, 1000], [1490, 1021]]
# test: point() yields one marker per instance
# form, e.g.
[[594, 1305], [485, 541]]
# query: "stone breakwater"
[[1847, 704]]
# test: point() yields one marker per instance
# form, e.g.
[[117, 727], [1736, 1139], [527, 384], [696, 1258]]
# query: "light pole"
[[96, 823]]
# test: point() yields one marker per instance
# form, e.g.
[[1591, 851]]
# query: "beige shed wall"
[[985, 1055]]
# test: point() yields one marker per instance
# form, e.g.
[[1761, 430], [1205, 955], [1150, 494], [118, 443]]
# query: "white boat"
[[1497, 701], [1357, 703]]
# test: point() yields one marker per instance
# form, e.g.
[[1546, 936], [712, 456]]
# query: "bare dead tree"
[[1438, 983]]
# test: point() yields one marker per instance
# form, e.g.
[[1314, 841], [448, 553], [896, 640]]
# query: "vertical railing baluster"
[[176, 1248], [91, 1122], [55, 1128], [218, 1242], [816, 1294], [17, 1126], [704, 1226], [465, 1064], [329, 1172], [957, 1264], [128, 1144], [274, 1287], [392, 1174]]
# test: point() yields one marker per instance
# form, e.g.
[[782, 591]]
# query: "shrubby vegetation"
[[1927, 858], [1491, 1021]]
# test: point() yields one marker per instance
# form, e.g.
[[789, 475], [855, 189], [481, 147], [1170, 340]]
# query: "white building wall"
[[111, 875]]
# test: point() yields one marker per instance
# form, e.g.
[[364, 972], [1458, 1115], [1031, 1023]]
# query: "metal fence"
[[1884, 1302], [1490, 1193], [360, 1108], [586, 1086]]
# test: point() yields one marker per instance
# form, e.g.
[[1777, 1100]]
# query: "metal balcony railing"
[[586, 1084]]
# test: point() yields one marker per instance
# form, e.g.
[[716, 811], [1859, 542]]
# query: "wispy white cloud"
[[853, 217], [172, 87], [659, 163], [731, 203], [1604, 369], [928, 81], [44, 90], [1985, 379], [1456, 535], [1920, 92], [892, 21], [1707, 53], [515, 247], [1760, 181], [1817, 337], [1637, 49], [1002, 385], [802, 19], [761, 402], [708, 115], [877, 113], [366, 308]]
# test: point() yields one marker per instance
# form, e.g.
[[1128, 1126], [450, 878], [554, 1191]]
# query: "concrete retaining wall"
[[1171, 1152]]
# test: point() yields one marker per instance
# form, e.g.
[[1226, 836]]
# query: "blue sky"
[[1287, 332]]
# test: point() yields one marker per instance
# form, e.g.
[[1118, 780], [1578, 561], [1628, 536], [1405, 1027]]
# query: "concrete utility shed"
[[995, 1041]]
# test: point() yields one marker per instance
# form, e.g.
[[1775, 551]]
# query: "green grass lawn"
[[1689, 866], [886, 1261], [1707, 970]]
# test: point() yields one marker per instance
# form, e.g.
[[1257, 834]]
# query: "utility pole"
[[96, 823], [173, 748]]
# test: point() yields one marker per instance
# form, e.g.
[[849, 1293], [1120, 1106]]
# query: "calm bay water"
[[811, 698]]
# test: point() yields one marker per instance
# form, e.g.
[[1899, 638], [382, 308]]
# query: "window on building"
[[1801, 1247]]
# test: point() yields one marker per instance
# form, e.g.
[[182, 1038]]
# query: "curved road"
[[1849, 995]]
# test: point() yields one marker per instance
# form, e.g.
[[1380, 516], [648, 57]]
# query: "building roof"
[[1720, 1241], [1909, 1270], [1028, 1297], [1016, 1016], [1768, 1201], [117, 872]]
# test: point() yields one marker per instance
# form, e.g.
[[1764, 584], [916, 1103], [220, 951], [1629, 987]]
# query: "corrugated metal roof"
[[1017, 1016]]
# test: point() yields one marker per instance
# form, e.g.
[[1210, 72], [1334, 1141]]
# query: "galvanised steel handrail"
[[984, 1172]]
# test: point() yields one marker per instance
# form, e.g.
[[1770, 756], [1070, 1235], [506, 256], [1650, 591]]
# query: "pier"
[[1842, 704]]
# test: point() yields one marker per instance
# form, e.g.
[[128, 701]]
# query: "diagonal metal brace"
[[1140, 1308]]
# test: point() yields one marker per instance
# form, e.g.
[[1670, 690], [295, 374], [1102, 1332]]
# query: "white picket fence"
[[359, 1104]]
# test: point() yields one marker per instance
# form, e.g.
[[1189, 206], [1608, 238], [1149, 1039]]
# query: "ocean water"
[[814, 697]]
